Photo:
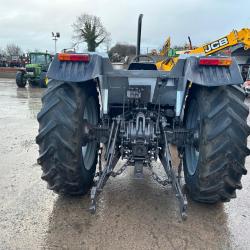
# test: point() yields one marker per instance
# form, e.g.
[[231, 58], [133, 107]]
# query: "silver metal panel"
[[105, 100], [134, 81], [179, 102]]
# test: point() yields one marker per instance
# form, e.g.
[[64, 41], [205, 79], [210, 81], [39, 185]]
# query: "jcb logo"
[[216, 44]]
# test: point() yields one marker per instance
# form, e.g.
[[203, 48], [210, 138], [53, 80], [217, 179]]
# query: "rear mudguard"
[[209, 76], [79, 71], [168, 88]]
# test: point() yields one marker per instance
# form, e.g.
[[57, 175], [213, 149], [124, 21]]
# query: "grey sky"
[[29, 23]]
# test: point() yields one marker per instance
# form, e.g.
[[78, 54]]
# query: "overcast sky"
[[29, 23]]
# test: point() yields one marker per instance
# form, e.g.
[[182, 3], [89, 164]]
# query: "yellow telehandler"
[[233, 38]]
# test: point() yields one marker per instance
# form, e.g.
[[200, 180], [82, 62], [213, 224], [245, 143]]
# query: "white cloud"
[[29, 23]]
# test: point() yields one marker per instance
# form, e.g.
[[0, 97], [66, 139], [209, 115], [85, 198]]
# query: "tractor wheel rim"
[[89, 150], [192, 150]]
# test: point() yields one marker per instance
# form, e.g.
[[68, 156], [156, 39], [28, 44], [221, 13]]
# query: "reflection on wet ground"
[[131, 214]]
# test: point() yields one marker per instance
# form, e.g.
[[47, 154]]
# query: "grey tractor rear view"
[[93, 115]]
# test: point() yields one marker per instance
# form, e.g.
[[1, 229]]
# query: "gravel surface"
[[131, 214]]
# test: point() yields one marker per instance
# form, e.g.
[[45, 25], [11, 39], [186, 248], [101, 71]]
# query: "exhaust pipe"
[[138, 48], [190, 43]]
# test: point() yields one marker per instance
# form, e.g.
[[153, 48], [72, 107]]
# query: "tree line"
[[11, 50], [90, 30], [87, 30]]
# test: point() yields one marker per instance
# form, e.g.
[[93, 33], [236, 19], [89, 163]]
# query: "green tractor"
[[35, 71]]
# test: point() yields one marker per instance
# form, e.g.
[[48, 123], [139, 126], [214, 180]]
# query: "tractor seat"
[[142, 66]]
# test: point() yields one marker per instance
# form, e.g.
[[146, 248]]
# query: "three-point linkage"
[[112, 156]]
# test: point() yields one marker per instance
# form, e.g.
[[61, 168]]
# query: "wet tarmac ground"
[[131, 214]]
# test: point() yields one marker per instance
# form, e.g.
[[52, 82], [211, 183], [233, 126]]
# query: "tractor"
[[35, 71], [93, 116]]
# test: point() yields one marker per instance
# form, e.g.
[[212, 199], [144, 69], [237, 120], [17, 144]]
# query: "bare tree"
[[13, 50], [107, 42], [123, 50], [2, 52], [120, 52], [89, 29]]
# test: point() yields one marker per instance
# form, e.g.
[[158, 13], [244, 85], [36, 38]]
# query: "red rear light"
[[247, 83], [74, 57], [215, 61]]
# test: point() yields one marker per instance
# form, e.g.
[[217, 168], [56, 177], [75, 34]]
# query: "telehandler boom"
[[233, 38]]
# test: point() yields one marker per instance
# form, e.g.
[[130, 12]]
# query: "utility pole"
[[55, 37]]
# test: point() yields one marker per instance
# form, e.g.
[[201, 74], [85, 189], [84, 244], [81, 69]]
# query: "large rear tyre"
[[68, 163], [214, 162], [20, 79]]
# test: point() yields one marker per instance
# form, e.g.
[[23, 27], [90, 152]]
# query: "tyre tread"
[[60, 136], [224, 144]]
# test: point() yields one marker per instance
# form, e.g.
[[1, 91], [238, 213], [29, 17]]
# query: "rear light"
[[215, 61], [247, 83], [74, 57]]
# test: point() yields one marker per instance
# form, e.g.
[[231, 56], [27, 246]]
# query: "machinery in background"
[[35, 71], [241, 37]]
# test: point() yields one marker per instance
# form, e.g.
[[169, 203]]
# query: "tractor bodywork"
[[166, 88], [39, 62], [135, 115], [35, 71]]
